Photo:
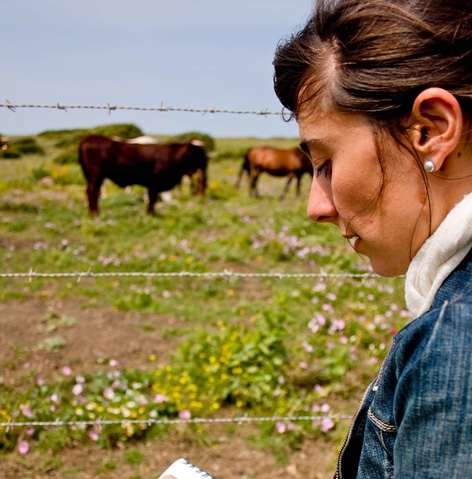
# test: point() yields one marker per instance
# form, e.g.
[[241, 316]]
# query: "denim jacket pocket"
[[385, 433]]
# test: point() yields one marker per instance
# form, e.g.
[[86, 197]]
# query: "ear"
[[437, 125]]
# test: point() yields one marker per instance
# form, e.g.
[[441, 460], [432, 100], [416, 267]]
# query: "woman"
[[382, 93]]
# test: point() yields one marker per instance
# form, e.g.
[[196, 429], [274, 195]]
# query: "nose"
[[320, 206]]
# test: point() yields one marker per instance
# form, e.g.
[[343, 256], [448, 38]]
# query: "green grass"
[[308, 338]]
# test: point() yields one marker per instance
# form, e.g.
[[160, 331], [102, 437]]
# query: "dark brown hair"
[[375, 56]]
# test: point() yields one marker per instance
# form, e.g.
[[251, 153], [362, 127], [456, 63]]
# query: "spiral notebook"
[[182, 469]]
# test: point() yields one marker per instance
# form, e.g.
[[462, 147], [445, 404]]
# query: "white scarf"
[[438, 257]]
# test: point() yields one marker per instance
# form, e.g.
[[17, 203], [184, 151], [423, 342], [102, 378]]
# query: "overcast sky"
[[196, 54]]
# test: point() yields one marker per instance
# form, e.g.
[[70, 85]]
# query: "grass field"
[[259, 340]]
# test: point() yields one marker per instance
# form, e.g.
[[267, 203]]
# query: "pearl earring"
[[429, 166]]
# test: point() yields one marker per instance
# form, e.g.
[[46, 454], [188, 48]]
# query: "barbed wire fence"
[[161, 108], [227, 274], [31, 275], [182, 274], [151, 421]]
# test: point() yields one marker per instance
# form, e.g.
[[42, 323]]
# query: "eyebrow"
[[315, 143]]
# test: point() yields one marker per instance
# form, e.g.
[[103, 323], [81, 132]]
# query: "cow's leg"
[[253, 185], [194, 184], [240, 175], [245, 167], [199, 187], [152, 198], [287, 185], [299, 184], [93, 193]]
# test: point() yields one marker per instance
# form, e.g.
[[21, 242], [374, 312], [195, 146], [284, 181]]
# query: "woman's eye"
[[324, 169]]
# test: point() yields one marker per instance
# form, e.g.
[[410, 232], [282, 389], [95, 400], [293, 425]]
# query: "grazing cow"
[[276, 162], [145, 140], [149, 140], [158, 167]]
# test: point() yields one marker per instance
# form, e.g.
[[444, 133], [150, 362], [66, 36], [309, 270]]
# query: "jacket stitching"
[[380, 423]]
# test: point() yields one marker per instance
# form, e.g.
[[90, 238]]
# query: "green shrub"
[[9, 154], [208, 141], [20, 147], [238, 366], [71, 140], [68, 138], [60, 134], [124, 131], [68, 157], [39, 173], [233, 154]]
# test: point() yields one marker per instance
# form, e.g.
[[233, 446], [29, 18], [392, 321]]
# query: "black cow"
[[158, 167]]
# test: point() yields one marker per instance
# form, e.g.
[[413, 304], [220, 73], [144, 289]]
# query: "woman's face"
[[384, 214]]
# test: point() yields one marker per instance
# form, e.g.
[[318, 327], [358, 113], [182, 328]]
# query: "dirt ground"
[[108, 333]]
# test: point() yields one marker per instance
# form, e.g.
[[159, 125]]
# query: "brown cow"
[[292, 162], [158, 167]]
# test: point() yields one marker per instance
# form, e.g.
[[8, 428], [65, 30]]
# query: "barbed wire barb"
[[10, 106]]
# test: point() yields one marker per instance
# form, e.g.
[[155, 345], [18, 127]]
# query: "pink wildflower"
[[281, 427], [328, 308], [108, 393], [77, 389], [158, 398], [23, 447], [337, 325], [326, 424], [26, 411], [319, 389], [291, 426], [308, 347], [325, 408], [185, 414]]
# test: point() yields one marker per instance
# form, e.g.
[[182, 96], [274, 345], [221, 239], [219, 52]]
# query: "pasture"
[[134, 339]]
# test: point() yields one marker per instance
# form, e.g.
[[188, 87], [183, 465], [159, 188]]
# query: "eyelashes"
[[324, 169]]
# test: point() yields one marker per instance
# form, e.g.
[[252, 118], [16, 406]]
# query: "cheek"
[[354, 193]]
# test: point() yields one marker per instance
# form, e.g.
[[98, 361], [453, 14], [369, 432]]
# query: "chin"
[[388, 270]]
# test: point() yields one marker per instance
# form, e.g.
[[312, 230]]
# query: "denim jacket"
[[415, 420]]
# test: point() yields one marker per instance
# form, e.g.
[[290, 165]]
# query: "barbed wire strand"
[[182, 274], [153, 421], [162, 108]]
